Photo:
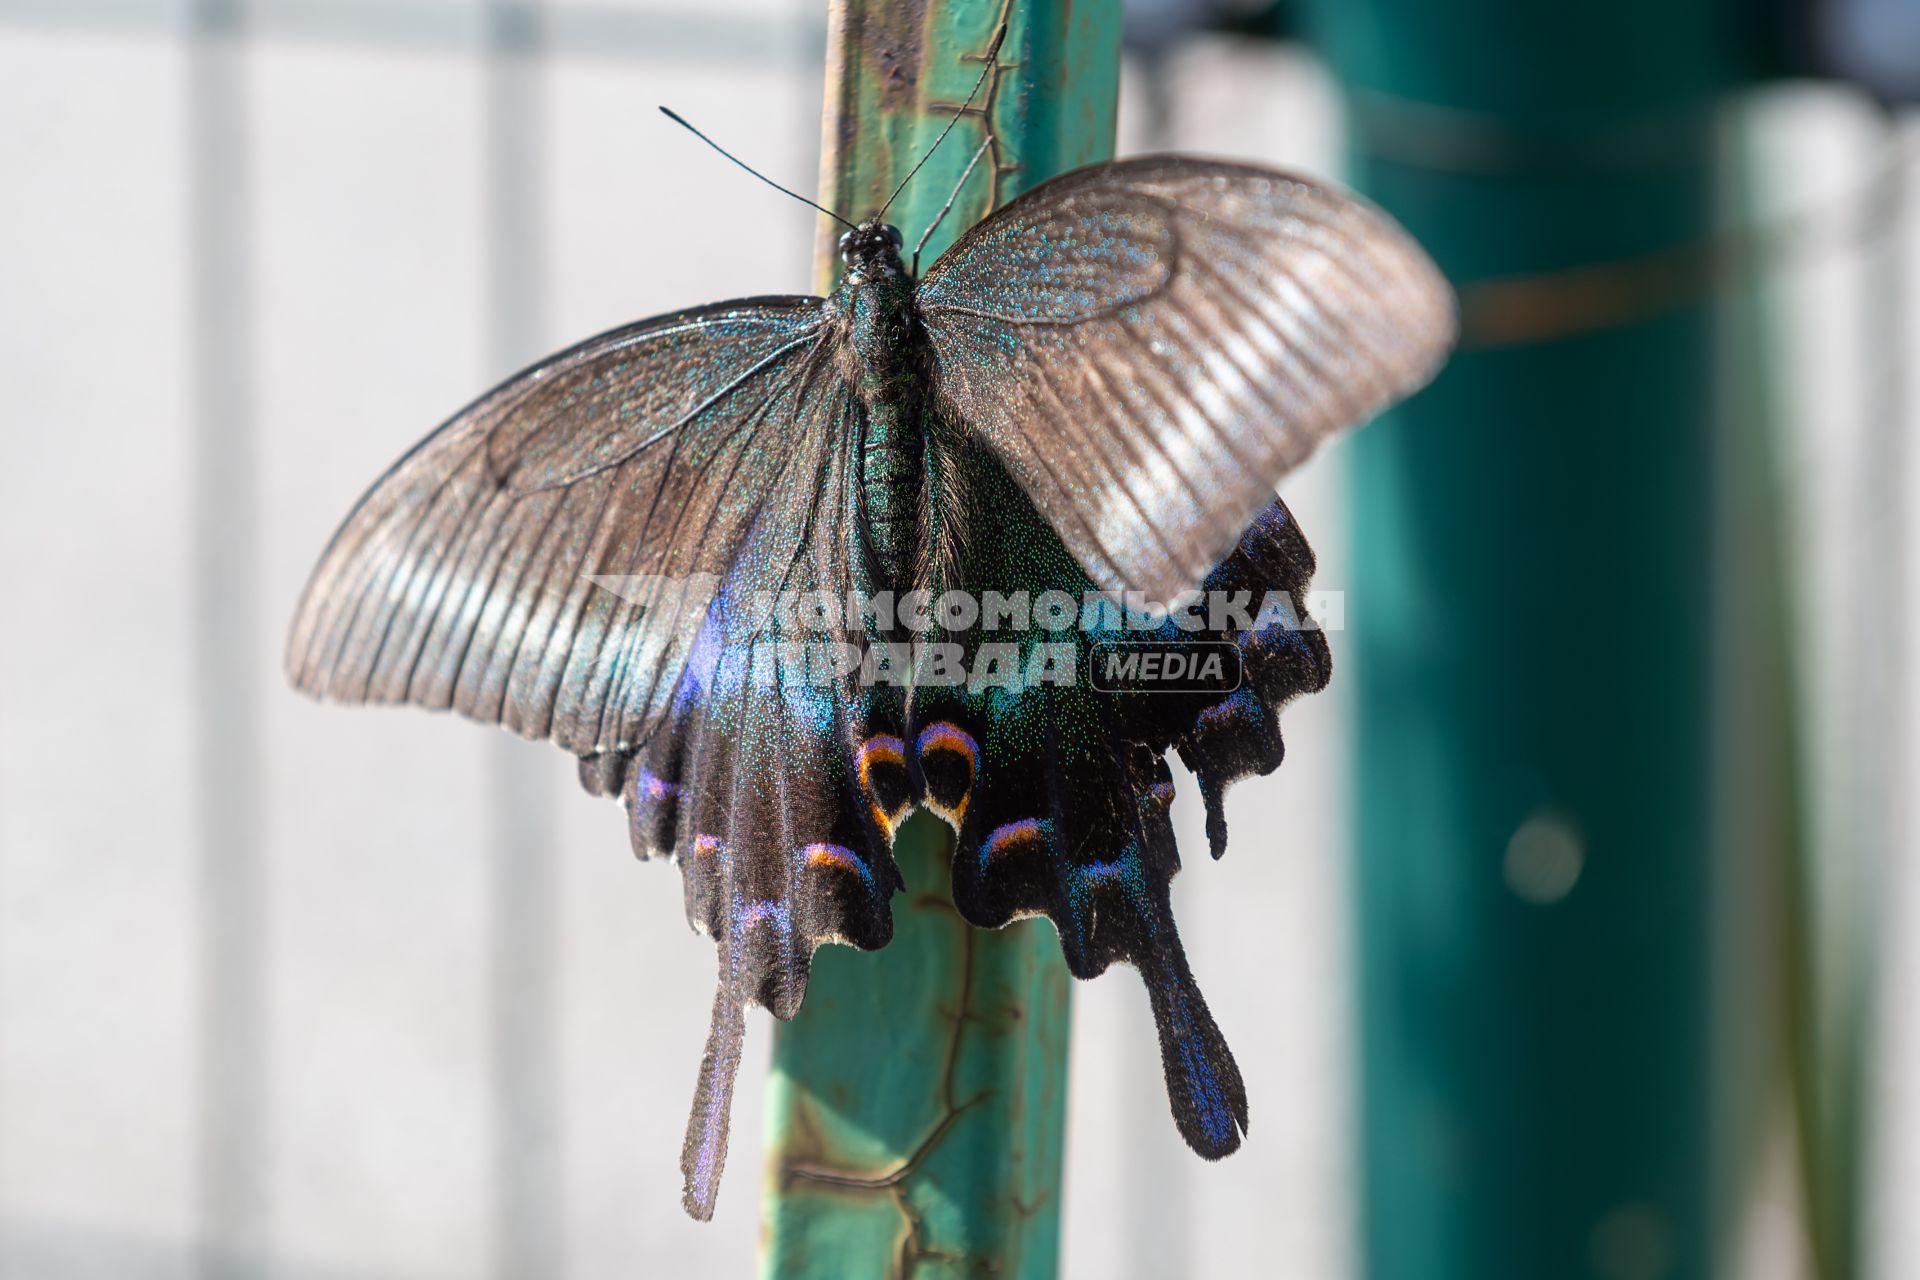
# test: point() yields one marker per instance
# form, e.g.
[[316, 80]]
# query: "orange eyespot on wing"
[[882, 768], [949, 762]]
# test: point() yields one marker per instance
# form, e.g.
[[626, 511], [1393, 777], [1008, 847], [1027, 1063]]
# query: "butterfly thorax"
[[885, 353]]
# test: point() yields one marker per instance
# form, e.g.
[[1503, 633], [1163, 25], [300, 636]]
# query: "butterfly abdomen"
[[890, 470]]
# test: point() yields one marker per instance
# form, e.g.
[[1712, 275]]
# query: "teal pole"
[[1529, 623], [917, 1107]]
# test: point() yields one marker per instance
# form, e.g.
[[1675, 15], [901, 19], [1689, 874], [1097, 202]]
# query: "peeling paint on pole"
[[917, 1108]]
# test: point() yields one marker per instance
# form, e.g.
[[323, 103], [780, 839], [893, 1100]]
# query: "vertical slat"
[[523, 906], [99, 862], [1843, 874], [917, 1102], [1888, 1143], [233, 1076]]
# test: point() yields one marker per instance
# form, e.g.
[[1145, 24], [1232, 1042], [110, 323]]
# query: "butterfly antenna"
[[948, 206], [675, 116], [993, 54]]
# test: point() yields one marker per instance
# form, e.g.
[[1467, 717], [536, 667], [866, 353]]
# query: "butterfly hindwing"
[[755, 780], [1059, 792]]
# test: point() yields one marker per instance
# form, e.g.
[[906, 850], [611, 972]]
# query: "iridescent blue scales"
[[1092, 392]]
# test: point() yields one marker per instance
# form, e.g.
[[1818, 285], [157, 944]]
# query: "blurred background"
[[1590, 953]]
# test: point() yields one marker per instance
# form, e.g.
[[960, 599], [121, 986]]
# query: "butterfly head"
[[870, 250]]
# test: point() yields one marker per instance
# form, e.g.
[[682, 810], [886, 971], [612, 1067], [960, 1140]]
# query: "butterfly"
[[781, 571]]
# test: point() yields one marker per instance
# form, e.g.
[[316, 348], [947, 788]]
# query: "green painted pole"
[[917, 1108], [1530, 616]]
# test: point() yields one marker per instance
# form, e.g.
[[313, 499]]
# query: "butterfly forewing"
[[1149, 345], [538, 561]]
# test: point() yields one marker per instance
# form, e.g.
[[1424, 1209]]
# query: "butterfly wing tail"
[[703, 1156], [1204, 1088]]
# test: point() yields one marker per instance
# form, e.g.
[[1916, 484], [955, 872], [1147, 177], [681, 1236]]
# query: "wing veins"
[[1123, 438], [403, 564], [613, 464], [483, 445], [752, 426]]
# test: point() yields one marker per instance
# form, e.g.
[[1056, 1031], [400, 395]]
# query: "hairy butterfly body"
[[636, 548]]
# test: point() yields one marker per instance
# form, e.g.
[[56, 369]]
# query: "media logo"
[[1159, 666]]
